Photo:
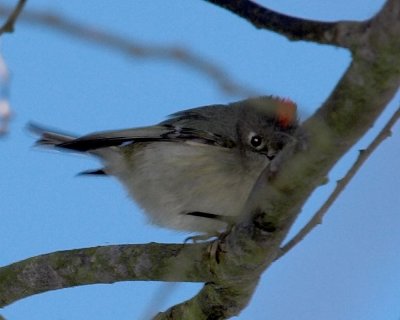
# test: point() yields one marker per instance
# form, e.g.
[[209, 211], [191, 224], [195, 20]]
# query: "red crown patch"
[[286, 112]]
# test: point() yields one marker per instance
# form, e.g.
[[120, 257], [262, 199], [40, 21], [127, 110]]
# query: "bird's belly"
[[169, 180]]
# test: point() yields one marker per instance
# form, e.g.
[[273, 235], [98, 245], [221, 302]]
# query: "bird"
[[194, 171]]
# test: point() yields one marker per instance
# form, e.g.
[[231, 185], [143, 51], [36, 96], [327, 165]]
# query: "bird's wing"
[[125, 137]]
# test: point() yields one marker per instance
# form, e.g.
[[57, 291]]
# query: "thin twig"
[[134, 48], [335, 33], [341, 185], [8, 26]]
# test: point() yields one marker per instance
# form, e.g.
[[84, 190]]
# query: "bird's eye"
[[256, 141]]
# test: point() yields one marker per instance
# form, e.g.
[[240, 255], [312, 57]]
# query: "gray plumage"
[[195, 170]]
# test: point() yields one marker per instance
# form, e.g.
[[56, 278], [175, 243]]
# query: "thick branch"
[[217, 300], [361, 95], [293, 28], [162, 262], [106, 264], [341, 185], [242, 257]]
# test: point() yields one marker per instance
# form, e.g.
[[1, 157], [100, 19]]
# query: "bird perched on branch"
[[194, 171]]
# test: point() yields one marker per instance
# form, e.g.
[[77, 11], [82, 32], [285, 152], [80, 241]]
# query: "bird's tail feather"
[[52, 139], [49, 138]]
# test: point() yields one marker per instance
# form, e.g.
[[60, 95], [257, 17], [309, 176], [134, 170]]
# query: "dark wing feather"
[[125, 137]]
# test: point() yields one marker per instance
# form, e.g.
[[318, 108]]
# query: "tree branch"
[[334, 33], [134, 48], [341, 185], [8, 26], [360, 96], [107, 264], [241, 258]]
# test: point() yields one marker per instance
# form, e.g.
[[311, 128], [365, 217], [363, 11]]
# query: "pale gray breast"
[[169, 179]]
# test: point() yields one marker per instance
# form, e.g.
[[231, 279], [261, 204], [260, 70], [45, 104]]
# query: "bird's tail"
[[49, 138]]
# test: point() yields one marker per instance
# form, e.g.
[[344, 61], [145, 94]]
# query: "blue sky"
[[347, 269]]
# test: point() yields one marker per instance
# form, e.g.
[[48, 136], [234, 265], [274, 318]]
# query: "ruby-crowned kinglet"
[[194, 171]]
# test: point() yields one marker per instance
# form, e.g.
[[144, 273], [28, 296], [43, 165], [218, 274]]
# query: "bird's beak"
[[269, 153]]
